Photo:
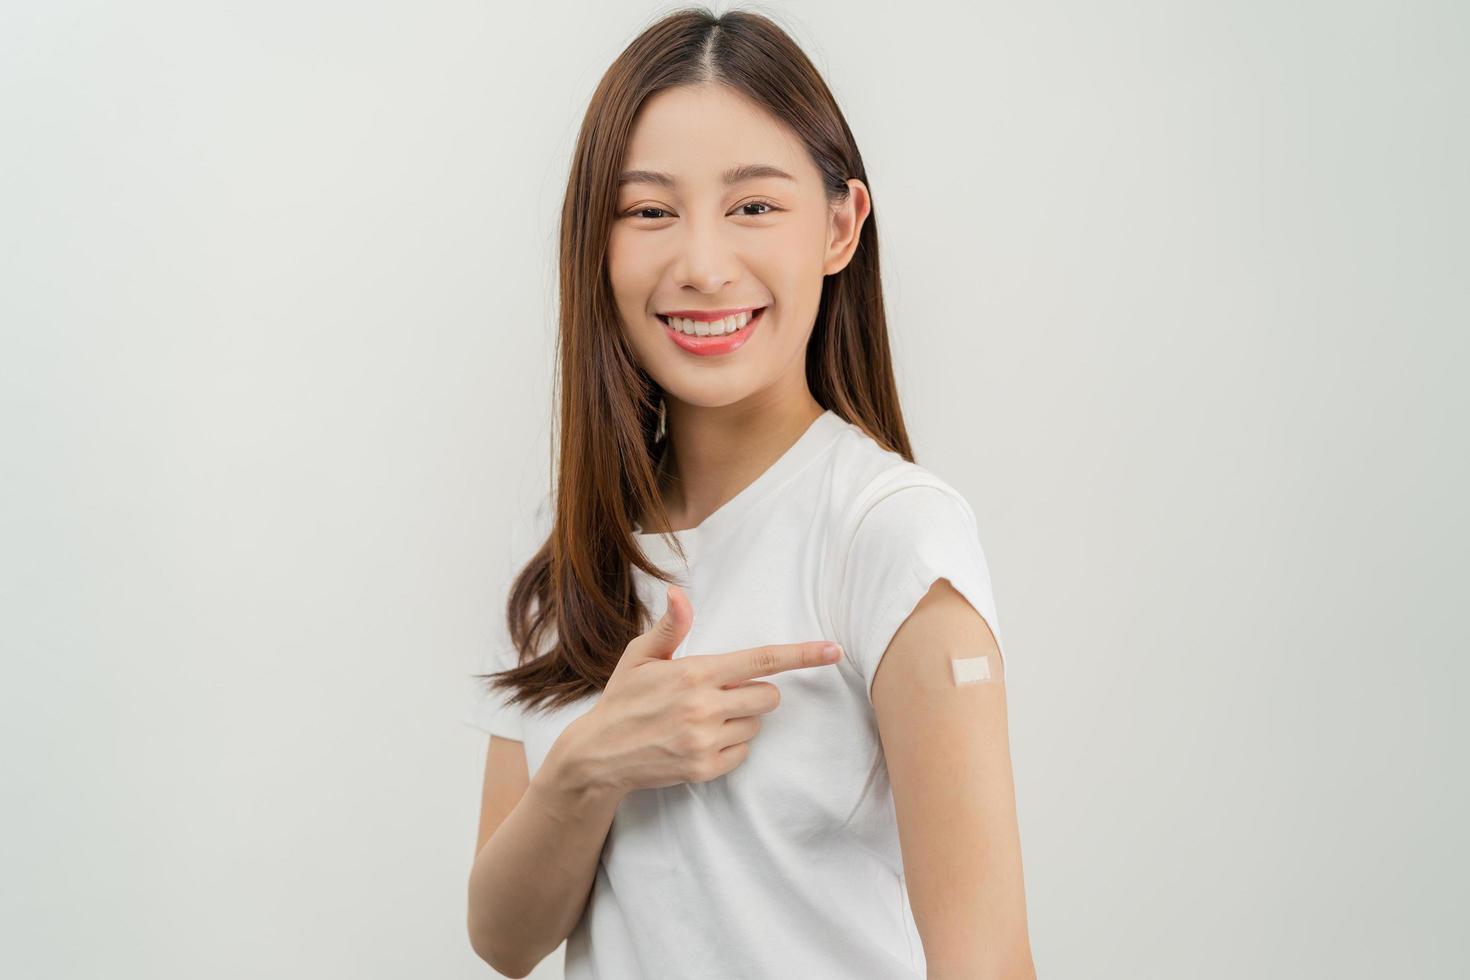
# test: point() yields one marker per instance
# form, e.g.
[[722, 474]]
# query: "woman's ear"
[[845, 227]]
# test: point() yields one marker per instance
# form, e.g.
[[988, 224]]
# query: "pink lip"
[[708, 316], [713, 346]]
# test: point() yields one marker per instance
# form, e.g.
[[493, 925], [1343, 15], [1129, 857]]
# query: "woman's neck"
[[709, 456]]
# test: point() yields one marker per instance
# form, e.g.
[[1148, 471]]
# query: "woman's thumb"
[[669, 631]]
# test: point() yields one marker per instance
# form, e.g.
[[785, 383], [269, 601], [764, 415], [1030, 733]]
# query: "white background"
[[1179, 301]]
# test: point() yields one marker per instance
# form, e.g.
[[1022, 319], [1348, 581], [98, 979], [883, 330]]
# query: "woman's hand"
[[662, 721]]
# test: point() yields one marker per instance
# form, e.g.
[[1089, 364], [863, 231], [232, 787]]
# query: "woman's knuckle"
[[766, 659], [686, 743]]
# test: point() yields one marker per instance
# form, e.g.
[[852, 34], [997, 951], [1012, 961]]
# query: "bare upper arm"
[[506, 779], [947, 748]]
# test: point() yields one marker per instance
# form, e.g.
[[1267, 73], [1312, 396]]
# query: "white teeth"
[[700, 328]]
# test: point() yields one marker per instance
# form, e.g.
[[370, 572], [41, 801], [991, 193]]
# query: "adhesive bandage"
[[972, 670]]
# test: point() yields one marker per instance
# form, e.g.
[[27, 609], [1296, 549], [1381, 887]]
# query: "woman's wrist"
[[569, 777]]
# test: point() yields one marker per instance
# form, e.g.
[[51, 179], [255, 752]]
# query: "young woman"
[[679, 783]]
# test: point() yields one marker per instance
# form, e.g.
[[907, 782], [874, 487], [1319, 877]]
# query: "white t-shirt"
[[788, 865]]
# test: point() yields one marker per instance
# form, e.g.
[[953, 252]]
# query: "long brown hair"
[[572, 610]]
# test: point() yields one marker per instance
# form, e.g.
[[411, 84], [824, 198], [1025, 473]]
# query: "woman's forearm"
[[530, 882]]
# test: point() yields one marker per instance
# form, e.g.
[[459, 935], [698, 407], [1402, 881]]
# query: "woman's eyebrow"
[[736, 174]]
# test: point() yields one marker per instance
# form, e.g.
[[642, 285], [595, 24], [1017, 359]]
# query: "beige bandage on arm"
[[972, 670]]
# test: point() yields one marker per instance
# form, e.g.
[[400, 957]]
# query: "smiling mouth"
[[752, 318]]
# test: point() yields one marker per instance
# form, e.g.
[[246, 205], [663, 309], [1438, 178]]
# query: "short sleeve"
[[900, 545], [488, 709]]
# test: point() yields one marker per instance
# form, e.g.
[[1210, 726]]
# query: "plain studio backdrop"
[[1179, 300]]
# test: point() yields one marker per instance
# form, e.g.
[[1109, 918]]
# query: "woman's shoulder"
[[864, 473]]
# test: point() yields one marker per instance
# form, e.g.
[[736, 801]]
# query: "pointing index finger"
[[773, 658]]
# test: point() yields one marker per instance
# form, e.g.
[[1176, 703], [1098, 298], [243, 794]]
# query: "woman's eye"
[[769, 208], [642, 212]]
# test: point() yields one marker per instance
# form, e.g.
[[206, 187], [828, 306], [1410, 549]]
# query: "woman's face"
[[698, 243]]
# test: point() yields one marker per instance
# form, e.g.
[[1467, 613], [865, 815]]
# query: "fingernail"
[[831, 652]]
